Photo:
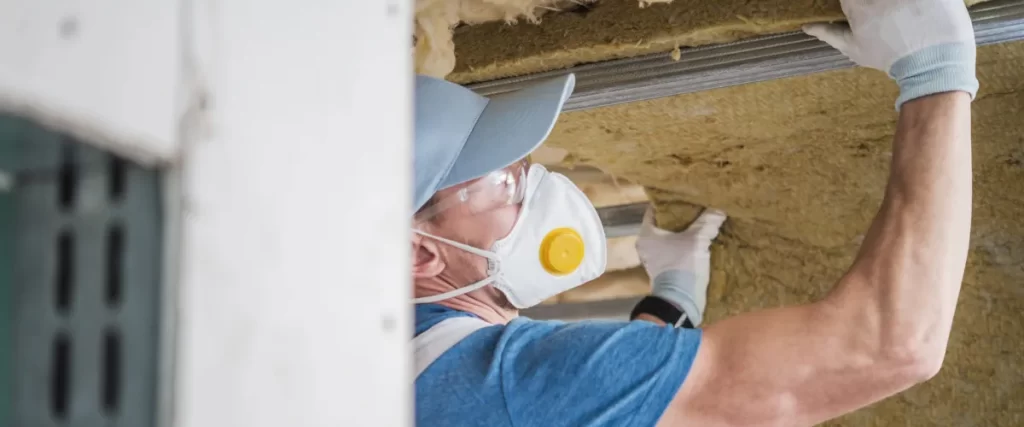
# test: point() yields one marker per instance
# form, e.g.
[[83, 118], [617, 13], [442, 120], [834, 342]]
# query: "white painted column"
[[295, 194]]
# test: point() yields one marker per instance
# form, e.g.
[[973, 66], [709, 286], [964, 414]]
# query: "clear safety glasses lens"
[[503, 187]]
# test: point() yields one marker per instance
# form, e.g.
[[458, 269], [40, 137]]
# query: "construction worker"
[[493, 234]]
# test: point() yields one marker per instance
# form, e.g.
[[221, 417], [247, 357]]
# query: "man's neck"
[[488, 312], [487, 303], [484, 302]]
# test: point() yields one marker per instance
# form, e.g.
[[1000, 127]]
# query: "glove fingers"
[[648, 223], [647, 227], [836, 35], [708, 223]]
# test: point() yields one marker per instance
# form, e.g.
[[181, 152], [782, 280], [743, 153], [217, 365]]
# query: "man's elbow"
[[916, 363], [928, 365], [913, 348]]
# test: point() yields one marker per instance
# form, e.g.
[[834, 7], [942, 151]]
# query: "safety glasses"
[[500, 188]]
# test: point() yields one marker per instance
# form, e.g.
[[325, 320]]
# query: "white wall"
[[106, 71], [295, 196]]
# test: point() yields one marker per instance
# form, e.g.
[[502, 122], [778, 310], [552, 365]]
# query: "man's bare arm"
[[885, 325], [883, 328]]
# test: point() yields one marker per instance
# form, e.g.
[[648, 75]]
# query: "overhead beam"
[[622, 220], [711, 67]]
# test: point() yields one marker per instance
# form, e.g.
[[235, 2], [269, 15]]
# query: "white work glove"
[[679, 263], [927, 46]]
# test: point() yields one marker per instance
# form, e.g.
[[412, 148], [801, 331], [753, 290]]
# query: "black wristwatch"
[[663, 310]]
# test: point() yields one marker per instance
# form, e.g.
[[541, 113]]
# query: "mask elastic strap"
[[463, 290], [453, 294], [463, 246]]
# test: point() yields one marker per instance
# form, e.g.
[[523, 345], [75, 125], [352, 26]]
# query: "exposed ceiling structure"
[[435, 19], [798, 163], [595, 31]]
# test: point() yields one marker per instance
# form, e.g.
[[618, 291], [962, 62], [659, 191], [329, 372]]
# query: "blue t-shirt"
[[551, 373]]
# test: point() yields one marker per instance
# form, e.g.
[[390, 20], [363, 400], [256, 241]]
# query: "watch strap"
[[664, 310]]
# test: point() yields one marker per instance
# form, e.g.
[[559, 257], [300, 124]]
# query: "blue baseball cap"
[[461, 136]]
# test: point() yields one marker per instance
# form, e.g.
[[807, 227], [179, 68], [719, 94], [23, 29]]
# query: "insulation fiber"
[[610, 29], [800, 165], [434, 50]]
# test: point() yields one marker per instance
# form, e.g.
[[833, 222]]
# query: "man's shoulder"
[[598, 351], [615, 372], [593, 339], [523, 332], [522, 373]]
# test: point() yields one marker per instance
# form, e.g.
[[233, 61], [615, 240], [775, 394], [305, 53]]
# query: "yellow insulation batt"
[[434, 51], [800, 165]]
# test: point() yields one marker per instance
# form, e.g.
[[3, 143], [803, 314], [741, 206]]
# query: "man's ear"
[[426, 258]]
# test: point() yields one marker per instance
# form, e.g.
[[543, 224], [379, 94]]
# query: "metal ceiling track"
[[711, 67], [622, 220]]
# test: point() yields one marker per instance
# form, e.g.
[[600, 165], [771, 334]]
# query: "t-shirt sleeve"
[[594, 373]]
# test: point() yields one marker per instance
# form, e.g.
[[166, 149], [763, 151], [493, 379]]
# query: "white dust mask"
[[556, 244]]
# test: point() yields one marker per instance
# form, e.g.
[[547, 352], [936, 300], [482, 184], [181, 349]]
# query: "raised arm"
[[883, 328], [886, 324]]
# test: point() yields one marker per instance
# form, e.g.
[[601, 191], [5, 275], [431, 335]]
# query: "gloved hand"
[[927, 46], [679, 263]]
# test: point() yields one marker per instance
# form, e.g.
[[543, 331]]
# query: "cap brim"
[[511, 126]]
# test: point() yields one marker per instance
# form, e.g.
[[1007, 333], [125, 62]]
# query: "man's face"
[[476, 213]]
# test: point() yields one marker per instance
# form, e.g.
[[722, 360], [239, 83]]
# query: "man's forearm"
[[906, 279]]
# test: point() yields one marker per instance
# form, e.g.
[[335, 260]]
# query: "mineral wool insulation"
[[800, 165], [434, 50]]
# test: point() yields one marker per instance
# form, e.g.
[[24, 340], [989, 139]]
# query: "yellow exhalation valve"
[[561, 251]]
